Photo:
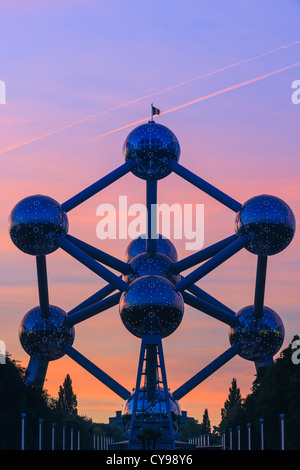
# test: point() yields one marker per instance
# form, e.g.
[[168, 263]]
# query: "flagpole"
[[151, 112]]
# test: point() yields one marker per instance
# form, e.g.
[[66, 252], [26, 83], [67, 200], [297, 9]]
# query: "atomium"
[[268, 222], [35, 223], [150, 147], [259, 336], [45, 336], [151, 290]]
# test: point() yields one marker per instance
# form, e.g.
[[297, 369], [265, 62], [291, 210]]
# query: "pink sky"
[[63, 63]]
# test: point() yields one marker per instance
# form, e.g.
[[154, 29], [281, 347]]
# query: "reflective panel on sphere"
[[35, 223], [151, 305], [259, 338], [146, 264], [138, 246], [150, 147], [45, 336], [268, 222], [151, 411]]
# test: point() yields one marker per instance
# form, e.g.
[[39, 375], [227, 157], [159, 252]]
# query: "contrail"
[[141, 98], [203, 98]]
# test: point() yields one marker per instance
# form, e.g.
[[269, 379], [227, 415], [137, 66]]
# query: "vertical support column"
[[151, 360], [261, 272], [42, 285], [136, 394], [166, 391], [151, 201]]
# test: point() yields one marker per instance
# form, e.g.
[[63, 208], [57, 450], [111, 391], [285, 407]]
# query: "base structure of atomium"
[[151, 291]]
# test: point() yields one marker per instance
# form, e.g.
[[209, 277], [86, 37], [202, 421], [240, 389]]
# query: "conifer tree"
[[206, 427], [232, 405], [67, 400]]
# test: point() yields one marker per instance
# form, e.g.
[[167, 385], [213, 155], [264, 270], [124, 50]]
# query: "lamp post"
[[40, 432], [53, 436], [261, 421], [23, 416], [249, 435], [238, 438], [281, 416]]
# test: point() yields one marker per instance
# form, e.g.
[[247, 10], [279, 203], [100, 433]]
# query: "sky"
[[78, 75]]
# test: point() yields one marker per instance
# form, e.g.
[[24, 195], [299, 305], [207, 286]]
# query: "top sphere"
[[268, 222], [35, 223], [150, 147]]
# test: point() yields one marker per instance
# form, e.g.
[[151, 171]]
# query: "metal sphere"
[[138, 246], [45, 336], [151, 410], [146, 264], [150, 147], [268, 222], [259, 338], [151, 305], [35, 223]]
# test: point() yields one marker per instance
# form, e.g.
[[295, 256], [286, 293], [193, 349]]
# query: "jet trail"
[[203, 98], [144, 97]]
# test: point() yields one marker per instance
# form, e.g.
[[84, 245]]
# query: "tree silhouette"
[[67, 400], [232, 405], [206, 427]]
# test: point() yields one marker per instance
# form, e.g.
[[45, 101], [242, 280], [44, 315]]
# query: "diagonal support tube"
[[97, 372], [201, 294], [96, 187], [99, 295], [204, 186], [210, 309], [211, 264], [90, 263], [100, 255], [93, 309], [202, 255], [206, 372]]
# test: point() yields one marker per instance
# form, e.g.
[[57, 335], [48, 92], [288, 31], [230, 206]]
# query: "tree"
[[274, 391], [192, 428], [232, 405], [67, 400], [206, 427]]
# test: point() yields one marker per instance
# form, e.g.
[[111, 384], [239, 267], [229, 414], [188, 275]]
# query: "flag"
[[155, 111]]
